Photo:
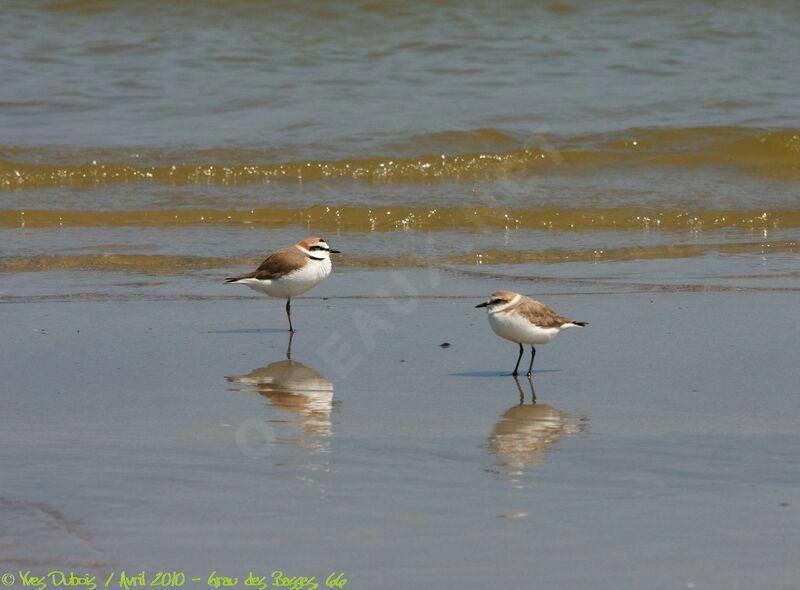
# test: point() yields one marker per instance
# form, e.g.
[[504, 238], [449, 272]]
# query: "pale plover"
[[522, 320], [290, 272]]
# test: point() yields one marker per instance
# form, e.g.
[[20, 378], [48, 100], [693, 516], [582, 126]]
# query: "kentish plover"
[[290, 272], [522, 320]]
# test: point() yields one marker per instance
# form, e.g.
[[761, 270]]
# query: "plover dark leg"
[[533, 354], [519, 358], [289, 313]]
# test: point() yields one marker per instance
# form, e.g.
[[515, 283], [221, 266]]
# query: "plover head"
[[316, 247], [500, 300]]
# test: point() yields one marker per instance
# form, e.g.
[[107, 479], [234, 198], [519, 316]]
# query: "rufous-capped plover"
[[522, 320], [290, 272]]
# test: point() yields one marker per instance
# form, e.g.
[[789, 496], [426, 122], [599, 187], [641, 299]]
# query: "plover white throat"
[[290, 272], [522, 320]]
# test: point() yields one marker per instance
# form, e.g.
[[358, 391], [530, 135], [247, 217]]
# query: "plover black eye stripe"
[[289, 272]]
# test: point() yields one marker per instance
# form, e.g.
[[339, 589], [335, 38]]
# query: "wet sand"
[[157, 423]]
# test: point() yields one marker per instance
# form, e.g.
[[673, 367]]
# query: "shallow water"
[[363, 117]]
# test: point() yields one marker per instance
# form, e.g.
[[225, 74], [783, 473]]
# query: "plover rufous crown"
[[290, 272]]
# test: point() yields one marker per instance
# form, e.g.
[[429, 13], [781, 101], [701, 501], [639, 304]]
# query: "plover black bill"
[[522, 320], [290, 272]]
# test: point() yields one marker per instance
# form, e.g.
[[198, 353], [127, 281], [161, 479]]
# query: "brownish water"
[[753, 151], [498, 135]]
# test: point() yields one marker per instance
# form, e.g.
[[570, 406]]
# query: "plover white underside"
[[290, 272], [525, 321]]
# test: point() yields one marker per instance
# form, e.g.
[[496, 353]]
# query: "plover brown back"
[[290, 272], [525, 321]]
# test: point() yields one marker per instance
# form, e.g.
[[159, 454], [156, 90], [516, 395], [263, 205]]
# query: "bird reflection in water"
[[304, 396], [524, 433]]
